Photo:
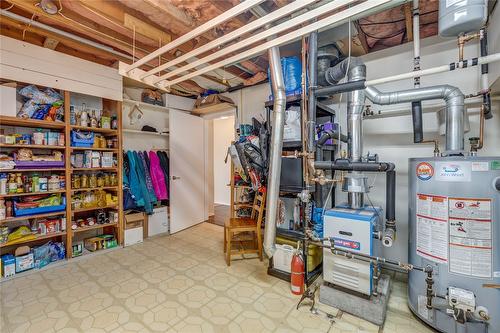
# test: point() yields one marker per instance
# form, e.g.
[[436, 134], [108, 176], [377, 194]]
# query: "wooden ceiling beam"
[[408, 21]]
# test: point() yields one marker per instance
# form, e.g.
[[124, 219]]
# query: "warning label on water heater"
[[432, 227], [470, 244]]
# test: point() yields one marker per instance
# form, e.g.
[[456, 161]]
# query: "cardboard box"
[[24, 262], [8, 265], [210, 100], [133, 236]]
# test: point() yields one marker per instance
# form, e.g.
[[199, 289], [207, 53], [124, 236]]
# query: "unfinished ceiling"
[[131, 29]]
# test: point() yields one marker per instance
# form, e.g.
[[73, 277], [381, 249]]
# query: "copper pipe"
[[481, 129], [436, 146], [462, 39], [305, 172]]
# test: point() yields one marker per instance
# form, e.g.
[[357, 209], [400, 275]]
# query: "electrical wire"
[[394, 21]]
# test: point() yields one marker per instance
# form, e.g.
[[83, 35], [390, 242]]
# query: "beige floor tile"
[[177, 283]]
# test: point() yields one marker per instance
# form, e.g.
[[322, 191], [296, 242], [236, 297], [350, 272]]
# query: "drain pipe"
[[453, 97], [273, 186]]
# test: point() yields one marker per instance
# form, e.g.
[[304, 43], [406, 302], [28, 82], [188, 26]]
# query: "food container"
[[61, 140], [43, 181], [38, 137], [84, 181], [53, 183]]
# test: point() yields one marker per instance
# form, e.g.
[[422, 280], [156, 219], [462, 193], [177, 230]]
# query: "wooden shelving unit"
[[115, 108]]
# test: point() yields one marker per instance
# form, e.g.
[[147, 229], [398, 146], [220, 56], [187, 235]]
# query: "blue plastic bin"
[[82, 139]]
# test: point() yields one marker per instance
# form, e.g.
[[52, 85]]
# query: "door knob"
[[175, 177]]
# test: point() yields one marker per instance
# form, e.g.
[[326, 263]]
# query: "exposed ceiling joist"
[[236, 10]]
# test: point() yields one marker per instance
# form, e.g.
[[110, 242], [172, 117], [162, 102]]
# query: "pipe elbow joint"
[[389, 233]]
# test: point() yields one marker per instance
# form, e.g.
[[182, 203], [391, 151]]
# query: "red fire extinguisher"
[[297, 276]]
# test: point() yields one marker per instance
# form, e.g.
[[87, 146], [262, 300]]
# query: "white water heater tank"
[[461, 16]]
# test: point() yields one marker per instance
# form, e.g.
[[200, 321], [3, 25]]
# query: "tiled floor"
[[176, 283]]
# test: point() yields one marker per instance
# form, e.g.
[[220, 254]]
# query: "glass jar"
[[113, 180], [85, 181], [76, 182], [107, 180], [93, 180], [53, 183], [100, 181]]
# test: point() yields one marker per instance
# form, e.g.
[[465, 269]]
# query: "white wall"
[[223, 134], [391, 138], [25, 62]]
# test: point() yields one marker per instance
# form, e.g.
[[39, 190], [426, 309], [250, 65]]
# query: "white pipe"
[[429, 71], [260, 36], [277, 14], [416, 41], [235, 11], [333, 20]]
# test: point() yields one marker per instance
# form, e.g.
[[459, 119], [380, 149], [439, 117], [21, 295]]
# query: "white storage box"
[[158, 222], [133, 236], [282, 258], [8, 103]]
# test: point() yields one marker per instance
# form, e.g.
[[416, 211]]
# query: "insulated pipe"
[[278, 125], [483, 41], [330, 134], [454, 108], [313, 81], [346, 165], [340, 88]]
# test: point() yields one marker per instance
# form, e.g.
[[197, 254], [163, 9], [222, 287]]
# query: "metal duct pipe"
[[454, 108], [278, 125]]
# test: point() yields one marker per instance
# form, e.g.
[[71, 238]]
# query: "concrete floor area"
[[177, 283]]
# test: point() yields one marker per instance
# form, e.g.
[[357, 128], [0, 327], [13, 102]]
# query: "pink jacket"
[[157, 176]]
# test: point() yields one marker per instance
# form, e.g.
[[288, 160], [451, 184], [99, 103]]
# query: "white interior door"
[[187, 170]]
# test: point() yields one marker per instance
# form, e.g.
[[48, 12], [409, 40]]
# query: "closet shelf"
[[51, 235], [6, 145], [145, 105], [30, 217], [95, 226], [107, 131], [10, 195], [125, 130]]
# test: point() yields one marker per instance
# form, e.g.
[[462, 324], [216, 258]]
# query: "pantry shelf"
[[80, 210], [40, 237], [6, 145], [96, 149], [19, 122], [94, 169], [31, 193], [30, 217], [95, 226], [34, 170], [110, 188], [106, 131]]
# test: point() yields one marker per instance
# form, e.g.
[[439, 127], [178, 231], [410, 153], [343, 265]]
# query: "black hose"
[[330, 134], [416, 113], [390, 195], [340, 88]]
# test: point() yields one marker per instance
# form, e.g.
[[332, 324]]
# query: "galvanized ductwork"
[[273, 185], [454, 108]]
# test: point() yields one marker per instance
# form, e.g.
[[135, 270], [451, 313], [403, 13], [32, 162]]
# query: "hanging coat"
[[164, 162], [157, 176], [147, 176], [135, 180]]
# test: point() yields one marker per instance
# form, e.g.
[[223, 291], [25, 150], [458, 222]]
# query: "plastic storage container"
[[82, 139]]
